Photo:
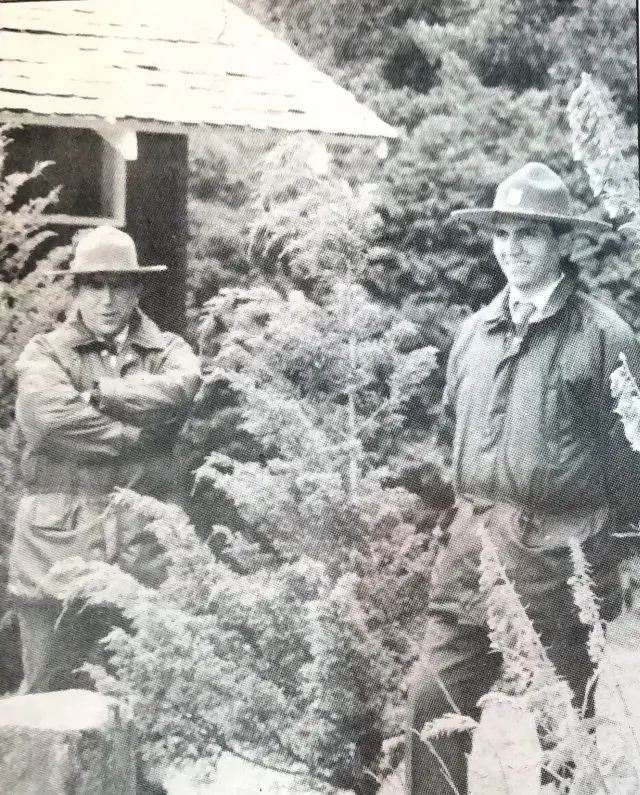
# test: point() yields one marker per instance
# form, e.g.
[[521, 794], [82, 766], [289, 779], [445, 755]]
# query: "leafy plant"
[[325, 389], [273, 664], [604, 145], [26, 307]]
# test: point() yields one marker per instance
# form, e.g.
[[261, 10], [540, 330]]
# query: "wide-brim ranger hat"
[[106, 250], [534, 191]]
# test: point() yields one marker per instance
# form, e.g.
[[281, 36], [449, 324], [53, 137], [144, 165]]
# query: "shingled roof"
[[157, 64]]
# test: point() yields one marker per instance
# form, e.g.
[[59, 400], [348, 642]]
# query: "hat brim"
[[488, 217], [93, 271]]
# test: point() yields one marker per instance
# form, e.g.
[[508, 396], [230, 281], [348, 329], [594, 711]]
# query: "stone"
[[71, 742]]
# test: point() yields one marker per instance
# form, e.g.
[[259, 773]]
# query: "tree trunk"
[[72, 742]]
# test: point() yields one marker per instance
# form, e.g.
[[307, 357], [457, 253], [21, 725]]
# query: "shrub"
[[26, 307], [294, 644], [272, 663]]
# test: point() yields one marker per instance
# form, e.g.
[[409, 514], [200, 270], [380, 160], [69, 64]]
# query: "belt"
[[543, 528]]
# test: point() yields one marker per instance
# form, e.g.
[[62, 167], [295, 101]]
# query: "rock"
[[72, 742]]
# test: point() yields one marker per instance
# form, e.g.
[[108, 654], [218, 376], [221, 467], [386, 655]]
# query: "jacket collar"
[[143, 332], [497, 312]]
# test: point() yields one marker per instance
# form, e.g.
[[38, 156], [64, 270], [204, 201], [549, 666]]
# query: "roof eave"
[[383, 131]]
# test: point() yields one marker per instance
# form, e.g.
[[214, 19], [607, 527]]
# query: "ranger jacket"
[[539, 454], [76, 453]]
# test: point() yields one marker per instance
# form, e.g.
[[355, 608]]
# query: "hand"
[[92, 396]]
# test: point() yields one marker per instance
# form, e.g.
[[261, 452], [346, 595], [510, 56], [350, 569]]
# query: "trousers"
[[457, 666]]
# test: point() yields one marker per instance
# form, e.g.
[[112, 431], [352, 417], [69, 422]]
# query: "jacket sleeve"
[[150, 399], [458, 349], [622, 462], [53, 415]]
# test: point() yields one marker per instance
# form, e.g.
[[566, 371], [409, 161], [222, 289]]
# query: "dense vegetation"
[[476, 91]]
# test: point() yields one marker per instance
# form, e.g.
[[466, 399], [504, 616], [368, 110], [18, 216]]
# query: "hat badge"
[[514, 197]]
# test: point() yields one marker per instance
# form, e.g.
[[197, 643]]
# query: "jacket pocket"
[[54, 512]]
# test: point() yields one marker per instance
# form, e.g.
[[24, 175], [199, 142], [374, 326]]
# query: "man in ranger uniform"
[[100, 401], [539, 458]]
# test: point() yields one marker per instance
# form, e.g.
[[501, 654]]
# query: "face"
[[106, 302], [529, 253]]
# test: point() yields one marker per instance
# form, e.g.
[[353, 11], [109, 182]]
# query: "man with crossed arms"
[[100, 402]]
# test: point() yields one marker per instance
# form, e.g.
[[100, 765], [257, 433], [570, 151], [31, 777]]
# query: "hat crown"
[[105, 249], [534, 189]]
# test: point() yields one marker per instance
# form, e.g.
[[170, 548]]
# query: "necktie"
[[108, 351], [521, 315], [522, 312]]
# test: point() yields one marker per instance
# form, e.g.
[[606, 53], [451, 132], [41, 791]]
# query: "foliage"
[[26, 309], [470, 139], [600, 143], [505, 41], [473, 101], [222, 171], [274, 664], [477, 89], [624, 389], [598, 38], [27, 306], [329, 390], [311, 225], [606, 148], [339, 32]]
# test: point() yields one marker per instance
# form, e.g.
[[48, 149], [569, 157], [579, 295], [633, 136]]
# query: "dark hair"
[[560, 228]]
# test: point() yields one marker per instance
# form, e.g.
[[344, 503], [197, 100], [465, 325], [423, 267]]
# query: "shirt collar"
[[119, 339], [497, 311], [141, 332], [539, 299]]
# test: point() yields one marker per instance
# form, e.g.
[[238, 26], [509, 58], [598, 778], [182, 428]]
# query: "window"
[[90, 171]]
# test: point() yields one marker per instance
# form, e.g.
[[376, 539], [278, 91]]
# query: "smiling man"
[[100, 401], [539, 459]]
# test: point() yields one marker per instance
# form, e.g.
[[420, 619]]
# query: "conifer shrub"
[[288, 623], [336, 451], [274, 663]]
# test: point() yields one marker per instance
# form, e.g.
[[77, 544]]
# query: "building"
[[111, 89]]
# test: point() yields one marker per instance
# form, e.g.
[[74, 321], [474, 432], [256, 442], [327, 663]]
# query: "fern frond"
[[624, 389], [451, 723], [588, 612]]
